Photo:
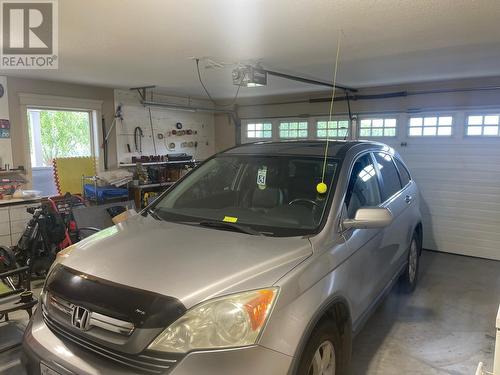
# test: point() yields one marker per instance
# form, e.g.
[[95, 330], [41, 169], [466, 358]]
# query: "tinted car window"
[[390, 178], [363, 190], [403, 172]]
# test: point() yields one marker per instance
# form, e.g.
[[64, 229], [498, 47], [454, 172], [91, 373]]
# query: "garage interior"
[[144, 92]]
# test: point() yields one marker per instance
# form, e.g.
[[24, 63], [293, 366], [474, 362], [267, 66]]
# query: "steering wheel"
[[303, 200]]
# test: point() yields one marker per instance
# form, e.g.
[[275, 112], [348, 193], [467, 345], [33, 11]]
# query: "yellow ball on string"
[[321, 188]]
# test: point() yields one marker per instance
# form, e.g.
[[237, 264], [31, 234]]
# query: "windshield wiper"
[[231, 226]]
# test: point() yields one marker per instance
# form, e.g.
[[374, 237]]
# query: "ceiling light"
[[249, 76]]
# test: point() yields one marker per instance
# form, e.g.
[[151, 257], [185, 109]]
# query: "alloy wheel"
[[323, 362]]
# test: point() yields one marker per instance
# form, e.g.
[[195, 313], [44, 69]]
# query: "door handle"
[[408, 199]]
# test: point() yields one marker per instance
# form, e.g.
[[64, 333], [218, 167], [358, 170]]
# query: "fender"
[[319, 314]]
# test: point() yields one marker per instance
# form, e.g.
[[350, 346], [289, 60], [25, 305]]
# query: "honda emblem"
[[80, 318]]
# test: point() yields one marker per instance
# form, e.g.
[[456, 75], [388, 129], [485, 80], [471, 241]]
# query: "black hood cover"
[[143, 308]]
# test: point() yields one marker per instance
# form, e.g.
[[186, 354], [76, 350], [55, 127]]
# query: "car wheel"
[[409, 277], [323, 354]]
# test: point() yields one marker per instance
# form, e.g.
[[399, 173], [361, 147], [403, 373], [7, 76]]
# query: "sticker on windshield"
[[261, 177], [230, 219]]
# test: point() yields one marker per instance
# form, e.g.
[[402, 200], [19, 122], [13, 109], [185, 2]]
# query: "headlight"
[[234, 320]]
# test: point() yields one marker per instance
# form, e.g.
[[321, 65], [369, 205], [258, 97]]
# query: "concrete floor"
[[446, 326]]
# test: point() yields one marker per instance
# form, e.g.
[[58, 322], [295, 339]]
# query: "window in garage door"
[[377, 127], [483, 125], [430, 126], [56, 133], [260, 130], [293, 129], [332, 129], [391, 183]]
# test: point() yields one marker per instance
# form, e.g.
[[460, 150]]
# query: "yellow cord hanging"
[[322, 188]]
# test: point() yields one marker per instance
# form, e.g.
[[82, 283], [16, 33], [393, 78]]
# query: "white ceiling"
[[124, 43]]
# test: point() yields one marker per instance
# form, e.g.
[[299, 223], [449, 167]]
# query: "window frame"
[[483, 114], [255, 122], [428, 115], [336, 119], [410, 178], [381, 179], [383, 118], [293, 120], [346, 187]]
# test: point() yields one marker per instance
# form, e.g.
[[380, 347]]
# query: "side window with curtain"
[[363, 189], [390, 177]]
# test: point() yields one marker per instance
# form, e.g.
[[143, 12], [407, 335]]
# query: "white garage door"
[[455, 159], [459, 179]]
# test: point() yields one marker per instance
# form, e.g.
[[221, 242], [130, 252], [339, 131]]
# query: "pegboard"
[[164, 120]]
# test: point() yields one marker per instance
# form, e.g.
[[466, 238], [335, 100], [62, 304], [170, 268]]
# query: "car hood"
[[190, 263]]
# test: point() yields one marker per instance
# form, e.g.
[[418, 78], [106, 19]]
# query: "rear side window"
[[363, 190], [390, 178], [404, 175]]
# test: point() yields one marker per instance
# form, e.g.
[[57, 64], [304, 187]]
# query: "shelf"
[[146, 186], [128, 165], [4, 172]]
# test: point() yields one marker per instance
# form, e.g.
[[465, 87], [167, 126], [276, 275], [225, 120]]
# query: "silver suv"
[[266, 259]]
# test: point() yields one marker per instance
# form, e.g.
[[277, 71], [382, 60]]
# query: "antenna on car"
[[322, 188]]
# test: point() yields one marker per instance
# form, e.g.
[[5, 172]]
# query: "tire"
[[325, 338], [409, 277]]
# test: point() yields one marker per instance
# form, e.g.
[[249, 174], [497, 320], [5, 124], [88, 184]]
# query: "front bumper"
[[40, 344]]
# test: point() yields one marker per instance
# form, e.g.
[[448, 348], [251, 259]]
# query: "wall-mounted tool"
[[106, 134], [159, 135], [178, 125], [138, 135]]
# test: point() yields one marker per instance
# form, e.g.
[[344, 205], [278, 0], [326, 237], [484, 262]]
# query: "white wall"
[[5, 143], [164, 120]]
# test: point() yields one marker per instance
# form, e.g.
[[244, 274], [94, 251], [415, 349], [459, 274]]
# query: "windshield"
[[273, 195]]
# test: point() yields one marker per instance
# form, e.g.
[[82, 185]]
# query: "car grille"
[[104, 322], [146, 362]]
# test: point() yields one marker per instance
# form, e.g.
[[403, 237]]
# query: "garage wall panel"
[[164, 120]]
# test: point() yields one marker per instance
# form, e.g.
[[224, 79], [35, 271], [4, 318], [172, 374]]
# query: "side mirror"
[[369, 217]]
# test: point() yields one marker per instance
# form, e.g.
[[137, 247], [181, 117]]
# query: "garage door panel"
[[447, 176], [463, 205], [476, 226], [459, 248], [438, 195], [459, 179], [458, 217], [453, 161], [454, 233], [467, 188]]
